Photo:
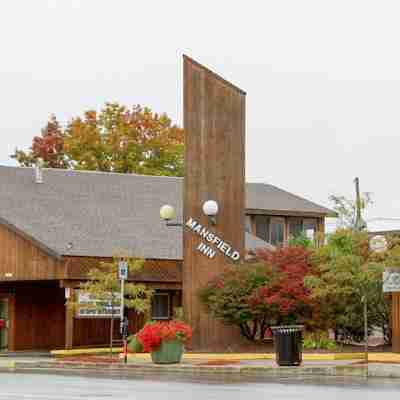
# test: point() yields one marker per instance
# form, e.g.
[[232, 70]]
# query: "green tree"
[[104, 287], [347, 209], [346, 272], [116, 139]]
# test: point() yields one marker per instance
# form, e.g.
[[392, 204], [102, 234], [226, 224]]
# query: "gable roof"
[[267, 197], [95, 214]]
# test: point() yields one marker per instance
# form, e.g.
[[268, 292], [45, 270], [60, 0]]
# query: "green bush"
[[347, 272], [301, 240], [317, 341]]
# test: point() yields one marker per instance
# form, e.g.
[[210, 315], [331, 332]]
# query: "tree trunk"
[[263, 328], [246, 332]]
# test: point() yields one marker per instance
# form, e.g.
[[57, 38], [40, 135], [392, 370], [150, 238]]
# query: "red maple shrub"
[[255, 296], [154, 333], [286, 299]]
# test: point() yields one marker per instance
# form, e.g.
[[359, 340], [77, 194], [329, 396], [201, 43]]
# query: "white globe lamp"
[[167, 212], [210, 208]]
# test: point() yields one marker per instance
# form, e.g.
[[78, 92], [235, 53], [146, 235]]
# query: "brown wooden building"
[[52, 232]]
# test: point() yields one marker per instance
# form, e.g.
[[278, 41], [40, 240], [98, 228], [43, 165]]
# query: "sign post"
[[123, 276]]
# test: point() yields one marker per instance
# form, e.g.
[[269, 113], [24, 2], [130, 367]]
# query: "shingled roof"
[[81, 213]]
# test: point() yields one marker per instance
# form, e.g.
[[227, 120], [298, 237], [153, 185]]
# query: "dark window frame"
[[164, 318], [281, 221]]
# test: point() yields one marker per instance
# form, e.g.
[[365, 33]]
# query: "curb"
[[215, 356], [363, 371]]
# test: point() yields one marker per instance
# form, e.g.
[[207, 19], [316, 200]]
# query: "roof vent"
[[39, 171]]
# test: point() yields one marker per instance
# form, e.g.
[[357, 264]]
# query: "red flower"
[[152, 334]]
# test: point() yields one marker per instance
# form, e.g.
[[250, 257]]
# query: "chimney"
[[39, 171]]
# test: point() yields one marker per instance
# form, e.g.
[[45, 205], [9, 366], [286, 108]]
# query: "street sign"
[[123, 270], [391, 281], [90, 307]]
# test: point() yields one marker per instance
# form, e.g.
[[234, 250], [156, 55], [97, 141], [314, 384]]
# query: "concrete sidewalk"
[[372, 356]]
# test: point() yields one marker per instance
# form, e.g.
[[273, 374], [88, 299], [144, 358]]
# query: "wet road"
[[57, 387]]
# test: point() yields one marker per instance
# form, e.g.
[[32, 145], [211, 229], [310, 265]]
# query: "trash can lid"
[[287, 328]]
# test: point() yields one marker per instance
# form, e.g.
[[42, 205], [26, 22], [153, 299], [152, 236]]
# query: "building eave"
[[49, 251]]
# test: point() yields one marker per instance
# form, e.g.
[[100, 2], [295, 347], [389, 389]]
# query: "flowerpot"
[[288, 340], [169, 352]]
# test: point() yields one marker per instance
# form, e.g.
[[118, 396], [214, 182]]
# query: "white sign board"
[[391, 281], [89, 307]]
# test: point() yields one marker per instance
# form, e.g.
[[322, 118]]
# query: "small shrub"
[[319, 341], [301, 241], [178, 313]]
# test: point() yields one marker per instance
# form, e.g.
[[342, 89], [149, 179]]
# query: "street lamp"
[[210, 208], [168, 213]]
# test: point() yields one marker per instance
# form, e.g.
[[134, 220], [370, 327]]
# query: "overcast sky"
[[322, 78]]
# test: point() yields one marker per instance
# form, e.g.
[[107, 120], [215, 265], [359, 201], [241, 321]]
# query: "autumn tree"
[[116, 139], [258, 295], [49, 147]]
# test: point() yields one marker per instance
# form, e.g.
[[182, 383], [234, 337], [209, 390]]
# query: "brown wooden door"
[[4, 324]]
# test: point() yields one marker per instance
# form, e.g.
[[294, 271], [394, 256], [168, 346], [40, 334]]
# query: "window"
[[295, 227], [160, 306], [310, 228], [247, 223], [262, 227], [277, 231]]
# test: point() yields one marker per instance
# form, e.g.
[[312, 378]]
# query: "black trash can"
[[288, 340]]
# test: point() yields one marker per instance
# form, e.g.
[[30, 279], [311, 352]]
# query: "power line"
[[384, 219]]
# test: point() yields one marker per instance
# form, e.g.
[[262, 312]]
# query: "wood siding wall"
[[39, 318], [214, 123], [396, 322], [161, 271], [96, 331], [24, 260]]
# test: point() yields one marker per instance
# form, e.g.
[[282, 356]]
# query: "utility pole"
[[359, 224]]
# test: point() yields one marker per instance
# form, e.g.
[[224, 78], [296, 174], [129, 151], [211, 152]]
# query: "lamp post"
[[210, 209]]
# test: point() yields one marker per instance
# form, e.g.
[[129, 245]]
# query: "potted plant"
[[164, 340]]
